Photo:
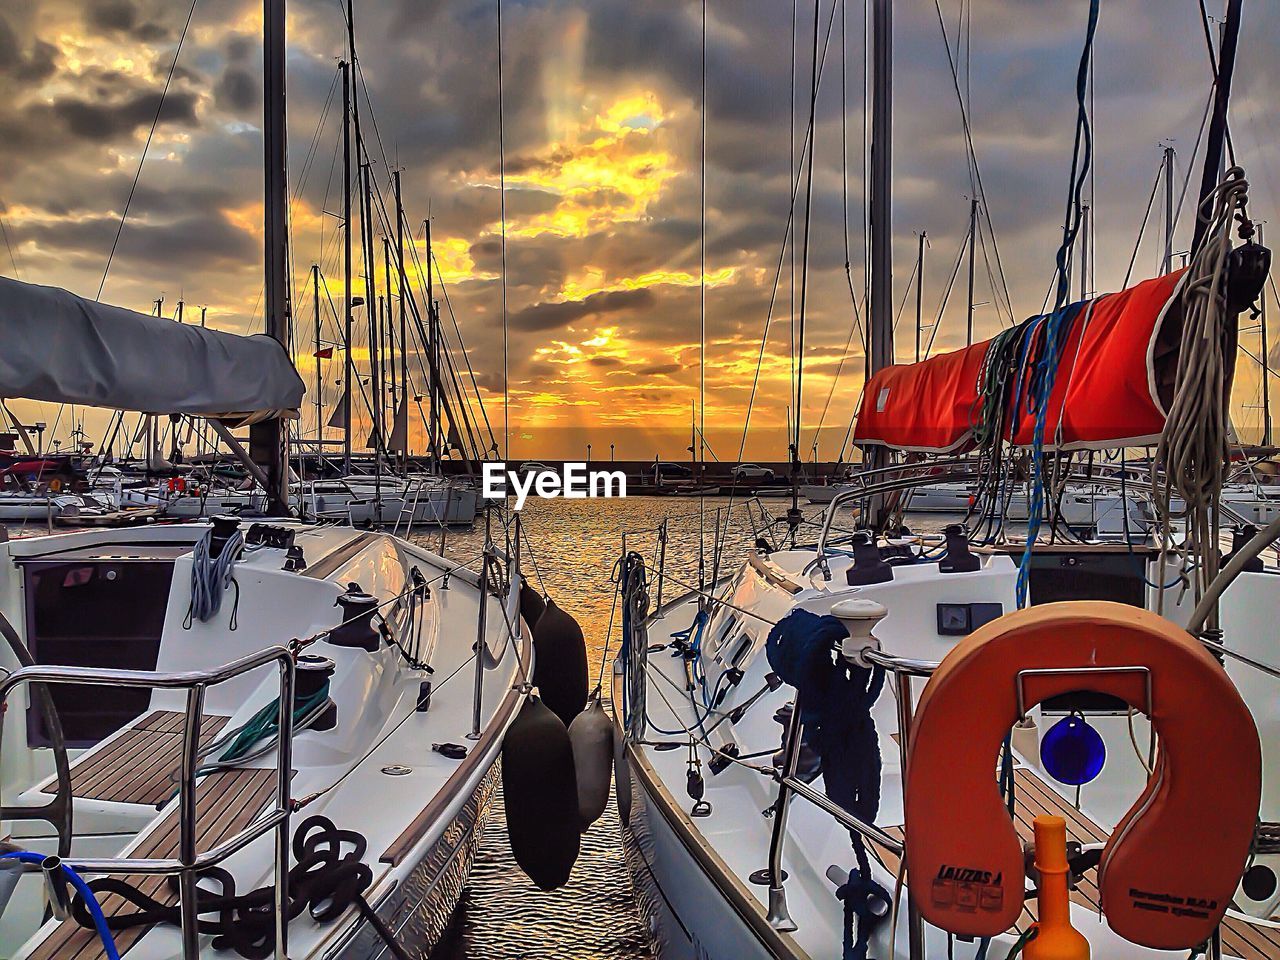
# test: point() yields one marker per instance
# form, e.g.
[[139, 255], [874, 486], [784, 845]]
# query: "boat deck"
[[227, 801], [1034, 798], [137, 764]]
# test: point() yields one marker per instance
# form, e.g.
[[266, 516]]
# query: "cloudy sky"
[[602, 141]]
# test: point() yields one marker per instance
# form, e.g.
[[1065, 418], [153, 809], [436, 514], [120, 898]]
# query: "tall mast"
[[1167, 263], [880, 210], [1218, 126], [919, 291], [973, 242], [268, 440], [404, 323], [433, 354], [387, 343], [1084, 250], [881, 199], [348, 371], [1266, 360], [315, 293], [373, 309]]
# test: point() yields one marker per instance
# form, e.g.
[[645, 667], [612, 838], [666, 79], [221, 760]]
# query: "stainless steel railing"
[[189, 862], [903, 669]]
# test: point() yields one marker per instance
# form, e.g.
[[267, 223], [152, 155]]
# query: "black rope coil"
[[328, 877]]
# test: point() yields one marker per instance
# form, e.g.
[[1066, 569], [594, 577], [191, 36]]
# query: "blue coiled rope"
[[835, 707], [90, 901]]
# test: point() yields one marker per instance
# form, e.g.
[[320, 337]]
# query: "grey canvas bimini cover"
[[58, 347]]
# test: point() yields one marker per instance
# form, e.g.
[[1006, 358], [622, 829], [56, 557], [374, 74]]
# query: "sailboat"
[[233, 739], [963, 746]]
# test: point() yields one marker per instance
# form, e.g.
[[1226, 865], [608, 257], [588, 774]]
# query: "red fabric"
[[1104, 394], [1102, 397], [928, 406]]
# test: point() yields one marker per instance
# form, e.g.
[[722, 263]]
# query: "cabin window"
[[95, 614]]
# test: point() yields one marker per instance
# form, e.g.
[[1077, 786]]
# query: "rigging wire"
[[155, 122], [804, 254], [502, 202], [777, 282], [1142, 230], [702, 300], [976, 169]]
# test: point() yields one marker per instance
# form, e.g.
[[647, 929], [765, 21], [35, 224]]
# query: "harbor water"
[[573, 548]]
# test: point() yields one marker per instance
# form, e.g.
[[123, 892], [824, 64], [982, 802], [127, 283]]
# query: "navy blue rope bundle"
[[835, 700]]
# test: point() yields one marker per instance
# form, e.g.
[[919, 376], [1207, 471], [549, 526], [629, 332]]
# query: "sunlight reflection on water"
[[575, 545]]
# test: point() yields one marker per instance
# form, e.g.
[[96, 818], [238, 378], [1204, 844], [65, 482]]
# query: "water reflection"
[[575, 546]]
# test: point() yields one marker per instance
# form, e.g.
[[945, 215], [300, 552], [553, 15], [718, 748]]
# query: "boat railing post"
[[779, 917], [444, 522], [284, 800], [188, 912], [662, 560], [513, 571], [481, 640], [915, 926]]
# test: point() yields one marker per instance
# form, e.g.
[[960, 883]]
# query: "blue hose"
[[90, 901]]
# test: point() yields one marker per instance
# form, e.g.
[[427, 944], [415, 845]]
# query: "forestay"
[[59, 347]]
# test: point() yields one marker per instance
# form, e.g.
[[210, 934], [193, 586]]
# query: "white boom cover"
[[59, 347]]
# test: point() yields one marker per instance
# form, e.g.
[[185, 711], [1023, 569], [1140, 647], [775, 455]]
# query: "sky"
[[601, 140]]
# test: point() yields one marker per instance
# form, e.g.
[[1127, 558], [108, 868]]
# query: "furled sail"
[[1111, 388], [62, 348]]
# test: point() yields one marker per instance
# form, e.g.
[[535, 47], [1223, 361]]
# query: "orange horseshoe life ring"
[[55, 485], [1172, 864]]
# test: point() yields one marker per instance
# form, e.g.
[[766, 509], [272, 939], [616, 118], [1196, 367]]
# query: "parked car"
[[672, 471], [752, 473], [532, 466]]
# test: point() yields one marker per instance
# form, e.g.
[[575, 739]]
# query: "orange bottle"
[[1055, 938]]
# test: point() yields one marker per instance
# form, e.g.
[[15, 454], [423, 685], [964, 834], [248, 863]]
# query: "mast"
[[973, 242], [1266, 361], [348, 372], [268, 440], [404, 324], [1218, 126], [374, 309], [433, 355], [919, 291], [387, 344], [880, 210], [315, 291], [1167, 263], [881, 205], [1084, 251]]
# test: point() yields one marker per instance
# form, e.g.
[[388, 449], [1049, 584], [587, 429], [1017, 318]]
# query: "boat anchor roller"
[[1171, 865]]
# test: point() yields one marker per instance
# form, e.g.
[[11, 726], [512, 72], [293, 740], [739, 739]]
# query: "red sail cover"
[[1104, 395]]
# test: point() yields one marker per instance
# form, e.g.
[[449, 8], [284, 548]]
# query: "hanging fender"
[[1173, 862]]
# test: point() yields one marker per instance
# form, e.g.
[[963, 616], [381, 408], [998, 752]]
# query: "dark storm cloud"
[[549, 316], [32, 65], [194, 241], [102, 122], [237, 90]]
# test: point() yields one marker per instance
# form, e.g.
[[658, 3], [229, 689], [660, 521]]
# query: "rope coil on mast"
[[1192, 452]]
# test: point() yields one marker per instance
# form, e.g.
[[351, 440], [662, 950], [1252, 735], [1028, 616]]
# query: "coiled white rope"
[[1192, 452]]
